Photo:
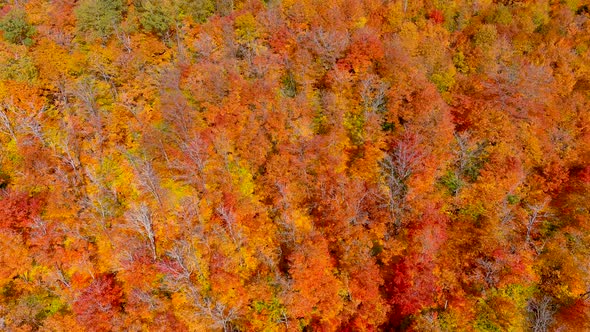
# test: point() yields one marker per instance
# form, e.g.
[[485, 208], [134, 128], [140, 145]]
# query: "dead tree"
[[536, 216], [541, 313], [397, 168], [141, 221]]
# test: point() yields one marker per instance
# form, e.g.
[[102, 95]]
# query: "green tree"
[[156, 17], [16, 29], [99, 18], [199, 10]]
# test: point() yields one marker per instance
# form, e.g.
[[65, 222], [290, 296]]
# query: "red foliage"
[[585, 174], [17, 210], [139, 271], [4, 10], [366, 48], [413, 284], [575, 317], [99, 305], [436, 16], [281, 40], [344, 165]]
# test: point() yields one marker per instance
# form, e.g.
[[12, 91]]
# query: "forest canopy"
[[294, 165]]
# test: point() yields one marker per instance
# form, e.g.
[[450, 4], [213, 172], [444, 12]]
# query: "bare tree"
[[104, 200], [536, 216], [222, 315], [123, 38], [6, 124], [463, 151], [104, 73], [328, 45], [184, 267], [205, 45], [61, 277], [231, 226], [146, 174], [488, 271], [541, 313], [288, 233], [396, 168], [142, 221], [373, 94], [147, 298], [359, 215], [17, 122], [224, 7], [87, 93], [191, 168]]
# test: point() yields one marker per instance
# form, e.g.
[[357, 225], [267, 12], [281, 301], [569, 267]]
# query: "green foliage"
[[473, 211], [475, 163], [485, 36], [49, 305], [456, 19], [540, 16], [448, 321], [4, 180], [452, 182], [199, 10], [377, 248], [303, 324], [289, 85], [503, 309], [8, 290], [274, 309], [16, 29], [581, 48], [512, 199], [355, 126], [485, 323], [519, 294], [20, 69], [99, 17], [444, 81], [473, 169], [459, 62], [242, 178], [466, 169], [320, 123], [501, 15], [11, 152], [388, 126], [155, 18], [224, 7]]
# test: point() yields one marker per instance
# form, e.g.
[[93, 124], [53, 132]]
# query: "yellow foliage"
[[302, 222], [361, 22], [247, 28], [410, 37], [177, 191]]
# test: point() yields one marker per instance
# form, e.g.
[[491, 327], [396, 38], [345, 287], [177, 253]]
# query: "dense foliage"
[[248, 165]]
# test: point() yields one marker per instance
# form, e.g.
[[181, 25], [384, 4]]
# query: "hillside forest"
[[294, 165]]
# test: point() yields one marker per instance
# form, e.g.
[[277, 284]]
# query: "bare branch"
[[536, 215], [141, 220], [541, 313]]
